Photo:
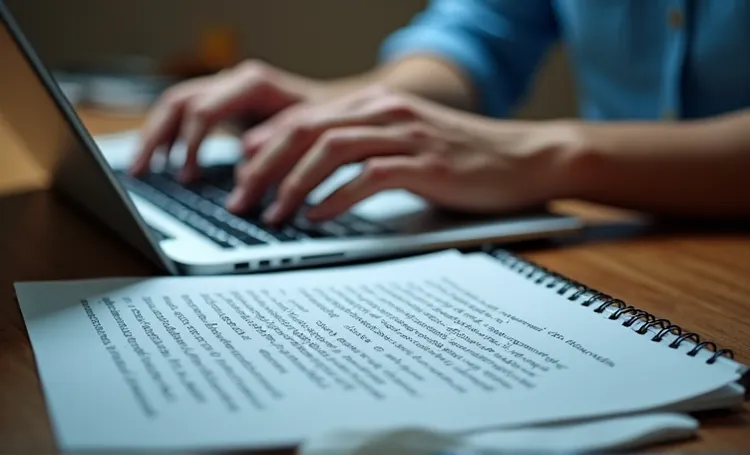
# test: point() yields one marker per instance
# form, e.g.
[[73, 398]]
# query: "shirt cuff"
[[459, 49]]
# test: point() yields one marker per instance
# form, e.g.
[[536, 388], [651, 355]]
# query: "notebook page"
[[269, 360]]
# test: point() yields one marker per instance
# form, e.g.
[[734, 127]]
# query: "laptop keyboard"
[[200, 206]]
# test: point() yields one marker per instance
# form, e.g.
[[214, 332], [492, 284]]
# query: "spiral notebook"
[[660, 330], [656, 329], [451, 342]]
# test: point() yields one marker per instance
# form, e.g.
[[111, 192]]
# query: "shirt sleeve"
[[497, 43]]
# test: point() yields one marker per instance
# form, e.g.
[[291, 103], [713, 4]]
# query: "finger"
[[159, 132], [406, 172], [287, 139], [335, 148], [162, 125], [255, 138], [258, 173], [235, 91], [277, 157], [215, 103]]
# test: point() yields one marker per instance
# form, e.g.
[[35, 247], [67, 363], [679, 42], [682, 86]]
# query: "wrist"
[[582, 159], [568, 150]]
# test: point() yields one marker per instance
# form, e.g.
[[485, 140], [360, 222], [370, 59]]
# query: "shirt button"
[[676, 18]]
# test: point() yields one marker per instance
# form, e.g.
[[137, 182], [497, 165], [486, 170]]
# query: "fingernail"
[[271, 215], [234, 201]]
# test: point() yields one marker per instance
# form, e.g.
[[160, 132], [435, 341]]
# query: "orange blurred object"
[[217, 48]]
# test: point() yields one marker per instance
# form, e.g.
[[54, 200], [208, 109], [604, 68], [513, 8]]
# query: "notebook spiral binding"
[[577, 291]]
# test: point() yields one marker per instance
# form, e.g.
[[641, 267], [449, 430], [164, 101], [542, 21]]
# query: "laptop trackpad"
[[396, 209]]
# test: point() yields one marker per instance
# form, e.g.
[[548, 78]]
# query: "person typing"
[[664, 98]]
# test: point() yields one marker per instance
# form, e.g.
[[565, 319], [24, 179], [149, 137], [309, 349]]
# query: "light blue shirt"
[[632, 59]]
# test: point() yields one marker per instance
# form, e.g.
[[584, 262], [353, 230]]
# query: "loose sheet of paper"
[[439, 341], [608, 434]]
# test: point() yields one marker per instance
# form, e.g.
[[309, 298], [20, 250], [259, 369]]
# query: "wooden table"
[[699, 278]]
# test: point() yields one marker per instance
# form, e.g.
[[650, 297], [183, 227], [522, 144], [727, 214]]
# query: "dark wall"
[[322, 38]]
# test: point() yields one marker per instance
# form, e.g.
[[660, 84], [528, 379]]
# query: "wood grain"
[[695, 277]]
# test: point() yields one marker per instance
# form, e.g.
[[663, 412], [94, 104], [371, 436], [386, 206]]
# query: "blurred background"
[[320, 38]]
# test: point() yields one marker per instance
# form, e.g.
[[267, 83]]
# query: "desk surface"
[[699, 279]]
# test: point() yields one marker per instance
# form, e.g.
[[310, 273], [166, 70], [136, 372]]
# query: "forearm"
[[692, 168], [427, 77]]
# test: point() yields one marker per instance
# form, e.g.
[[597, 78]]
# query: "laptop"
[[185, 228]]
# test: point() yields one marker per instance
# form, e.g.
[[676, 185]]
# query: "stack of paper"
[[444, 349]]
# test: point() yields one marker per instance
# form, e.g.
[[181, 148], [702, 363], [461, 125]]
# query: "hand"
[[189, 110], [452, 159]]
